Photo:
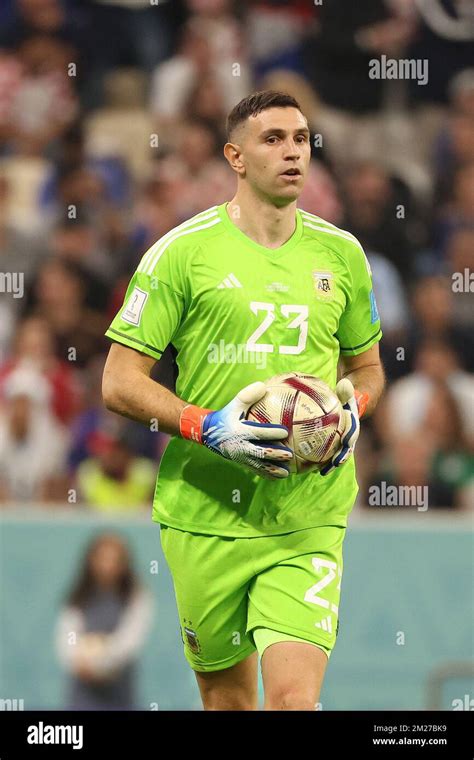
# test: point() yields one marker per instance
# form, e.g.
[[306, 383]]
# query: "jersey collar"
[[272, 253]]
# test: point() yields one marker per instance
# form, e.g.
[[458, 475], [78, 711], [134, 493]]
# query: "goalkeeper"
[[255, 552]]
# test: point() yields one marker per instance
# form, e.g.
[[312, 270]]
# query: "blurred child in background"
[[102, 628]]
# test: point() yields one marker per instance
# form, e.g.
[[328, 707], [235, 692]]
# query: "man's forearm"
[[369, 379], [142, 399]]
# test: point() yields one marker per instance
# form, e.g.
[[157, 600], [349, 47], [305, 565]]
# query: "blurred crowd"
[[112, 122]]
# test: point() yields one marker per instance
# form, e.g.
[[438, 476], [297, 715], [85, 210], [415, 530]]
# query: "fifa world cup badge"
[[324, 285]]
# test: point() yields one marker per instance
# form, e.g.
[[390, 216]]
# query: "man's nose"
[[291, 149]]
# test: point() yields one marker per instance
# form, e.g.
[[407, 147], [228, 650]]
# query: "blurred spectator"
[[433, 300], [275, 33], [426, 422], [454, 145], [114, 479], [102, 627], [88, 229], [33, 444], [392, 302], [92, 415], [42, 102], [122, 129], [336, 61], [155, 213], [411, 462], [19, 251], [284, 80], [76, 241], [137, 33], [37, 104], [7, 326], [34, 347], [73, 154], [21, 176], [20, 256], [221, 26], [460, 261], [94, 419], [197, 177], [379, 212], [6, 13], [79, 187], [205, 53], [395, 314], [320, 194], [346, 38], [461, 92], [458, 212], [410, 408], [205, 105], [10, 81], [444, 35], [54, 18], [59, 296]]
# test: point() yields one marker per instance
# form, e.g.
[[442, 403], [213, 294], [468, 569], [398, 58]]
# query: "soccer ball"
[[312, 413]]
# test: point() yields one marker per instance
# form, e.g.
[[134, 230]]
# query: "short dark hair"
[[257, 102]]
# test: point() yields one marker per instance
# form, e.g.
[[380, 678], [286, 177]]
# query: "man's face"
[[272, 143]]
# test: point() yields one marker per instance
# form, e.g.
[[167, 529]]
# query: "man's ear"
[[233, 154]]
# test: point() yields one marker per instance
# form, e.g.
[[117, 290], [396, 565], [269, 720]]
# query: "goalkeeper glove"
[[227, 433], [354, 403]]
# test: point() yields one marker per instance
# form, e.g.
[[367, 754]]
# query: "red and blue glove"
[[354, 404], [229, 434]]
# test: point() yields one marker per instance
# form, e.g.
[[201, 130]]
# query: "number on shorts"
[[312, 593]]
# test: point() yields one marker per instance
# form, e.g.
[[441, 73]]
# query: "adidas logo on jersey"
[[325, 624], [230, 281]]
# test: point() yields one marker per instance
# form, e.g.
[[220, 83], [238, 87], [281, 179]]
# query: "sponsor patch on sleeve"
[[374, 314], [133, 309]]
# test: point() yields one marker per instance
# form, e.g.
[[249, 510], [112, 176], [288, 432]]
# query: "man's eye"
[[302, 138], [271, 138]]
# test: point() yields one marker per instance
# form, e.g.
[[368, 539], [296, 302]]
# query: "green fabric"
[[264, 637], [238, 312], [227, 587]]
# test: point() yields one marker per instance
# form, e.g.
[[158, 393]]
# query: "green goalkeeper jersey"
[[237, 312]]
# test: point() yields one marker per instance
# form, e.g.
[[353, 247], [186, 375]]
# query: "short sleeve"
[[359, 326], [154, 304]]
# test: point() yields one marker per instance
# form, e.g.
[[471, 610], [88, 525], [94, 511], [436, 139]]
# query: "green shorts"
[[238, 595]]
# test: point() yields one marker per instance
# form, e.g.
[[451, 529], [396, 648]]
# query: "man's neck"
[[261, 221]]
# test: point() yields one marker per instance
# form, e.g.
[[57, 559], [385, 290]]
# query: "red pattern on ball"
[[296, 383]]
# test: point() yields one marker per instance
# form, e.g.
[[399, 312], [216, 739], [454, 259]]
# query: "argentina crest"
[[324, 285]]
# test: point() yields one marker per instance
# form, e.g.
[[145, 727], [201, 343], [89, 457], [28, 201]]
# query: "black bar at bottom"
[[62, 734]]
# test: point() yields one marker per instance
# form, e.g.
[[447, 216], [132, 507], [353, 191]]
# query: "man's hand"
[[353, 405], [226, 432]]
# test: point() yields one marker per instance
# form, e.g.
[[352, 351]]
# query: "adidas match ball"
[[312, 413]]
